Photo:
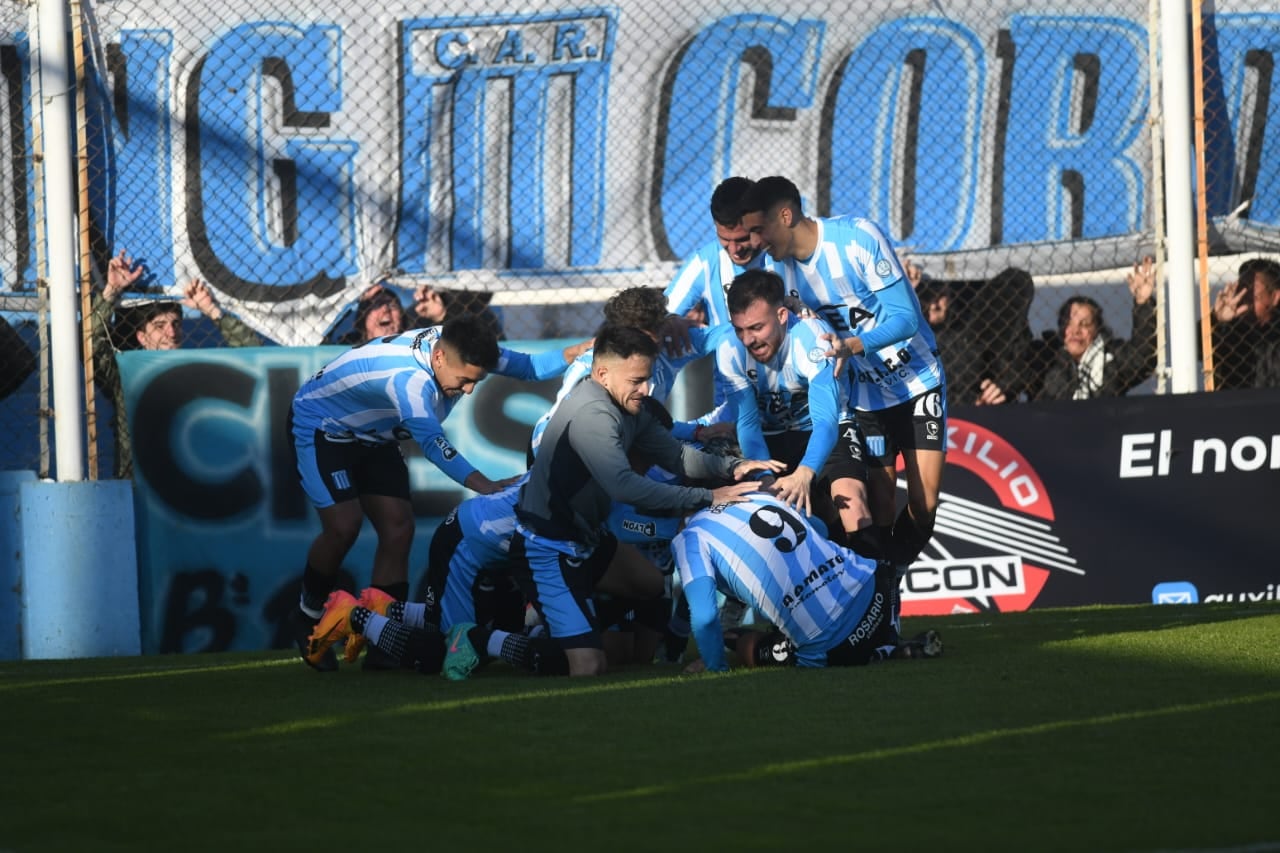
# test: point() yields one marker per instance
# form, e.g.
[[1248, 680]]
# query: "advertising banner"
[[1164, 499]]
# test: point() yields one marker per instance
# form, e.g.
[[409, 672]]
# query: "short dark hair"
[[623, 342], [767, 193], [1250, 269], [755, 284], [639, 307], [131, 319], [931, 290], [472, 339], [726, 201]]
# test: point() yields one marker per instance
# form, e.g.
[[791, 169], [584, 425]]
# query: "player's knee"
[[586, 662]]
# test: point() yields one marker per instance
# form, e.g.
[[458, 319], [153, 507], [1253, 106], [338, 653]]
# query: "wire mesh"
[[291, 173]]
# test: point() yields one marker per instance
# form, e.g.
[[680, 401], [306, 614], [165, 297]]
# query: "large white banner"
[[291, 152]]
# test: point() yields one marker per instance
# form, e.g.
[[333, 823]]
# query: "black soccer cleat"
[[302, 625], [925, 645]]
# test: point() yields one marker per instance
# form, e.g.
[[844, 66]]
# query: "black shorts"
[[875, 629], [918, 424], [844, 462]]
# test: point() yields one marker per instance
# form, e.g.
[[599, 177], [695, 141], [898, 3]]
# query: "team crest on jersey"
[[883, 268], [991, 550], [447, 450]]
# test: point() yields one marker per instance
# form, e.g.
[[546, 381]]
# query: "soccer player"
[[829, 606], [705, 276], [643, 308], [583, 467], [346, 425], [791, 405], [845, 270]]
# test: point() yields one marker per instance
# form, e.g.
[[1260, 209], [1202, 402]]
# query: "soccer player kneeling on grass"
[[829, 605], [583, 467]]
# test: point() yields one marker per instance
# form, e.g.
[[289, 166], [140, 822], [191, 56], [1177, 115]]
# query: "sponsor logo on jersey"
[[644, 528], [447, 450]]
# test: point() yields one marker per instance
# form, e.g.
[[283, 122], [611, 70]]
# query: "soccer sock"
[[359, 618], [908, 538], [373, 625], [387, 636], [413, 614], [398, 590], [497, 640], [869, 541], [538, 655], [477, 636], [315, 589]]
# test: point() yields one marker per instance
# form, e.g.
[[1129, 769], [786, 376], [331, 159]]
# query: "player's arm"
[[686, 289], [741, 399], [704, 620], [824, 416], [697, 576], [429, 433], [539, 366]]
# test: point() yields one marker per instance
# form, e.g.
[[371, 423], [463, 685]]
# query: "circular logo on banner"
[[995, 552]]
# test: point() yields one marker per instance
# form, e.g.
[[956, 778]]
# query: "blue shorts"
[[558, 578]]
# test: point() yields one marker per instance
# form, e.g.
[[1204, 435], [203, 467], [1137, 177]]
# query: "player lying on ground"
[[830, 606]]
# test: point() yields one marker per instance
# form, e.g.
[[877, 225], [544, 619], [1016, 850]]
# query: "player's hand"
[[482, 485], [990, 394], [838, 347], [673, 336], [794, 488], [747, 467], [734, 493], [571, 353]]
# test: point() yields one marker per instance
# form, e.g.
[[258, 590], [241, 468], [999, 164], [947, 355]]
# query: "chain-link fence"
[[291, 173]]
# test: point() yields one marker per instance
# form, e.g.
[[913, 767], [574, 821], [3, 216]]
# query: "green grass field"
[[1117, 728]]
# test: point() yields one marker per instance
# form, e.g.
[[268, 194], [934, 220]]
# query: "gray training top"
[[582, 467]]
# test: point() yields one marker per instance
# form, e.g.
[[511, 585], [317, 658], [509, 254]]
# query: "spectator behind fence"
[[983, 335], [432, 306], [152, 325], [1085, 360], [17, 361], [1266, 284], [379, 313], [1245, 325]]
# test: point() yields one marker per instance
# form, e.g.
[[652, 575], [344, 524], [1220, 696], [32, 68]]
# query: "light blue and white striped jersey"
[[487, 523], [766, 554], [796, 390], [855, 282], [385, 391], [704, 277], [665, 369]]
